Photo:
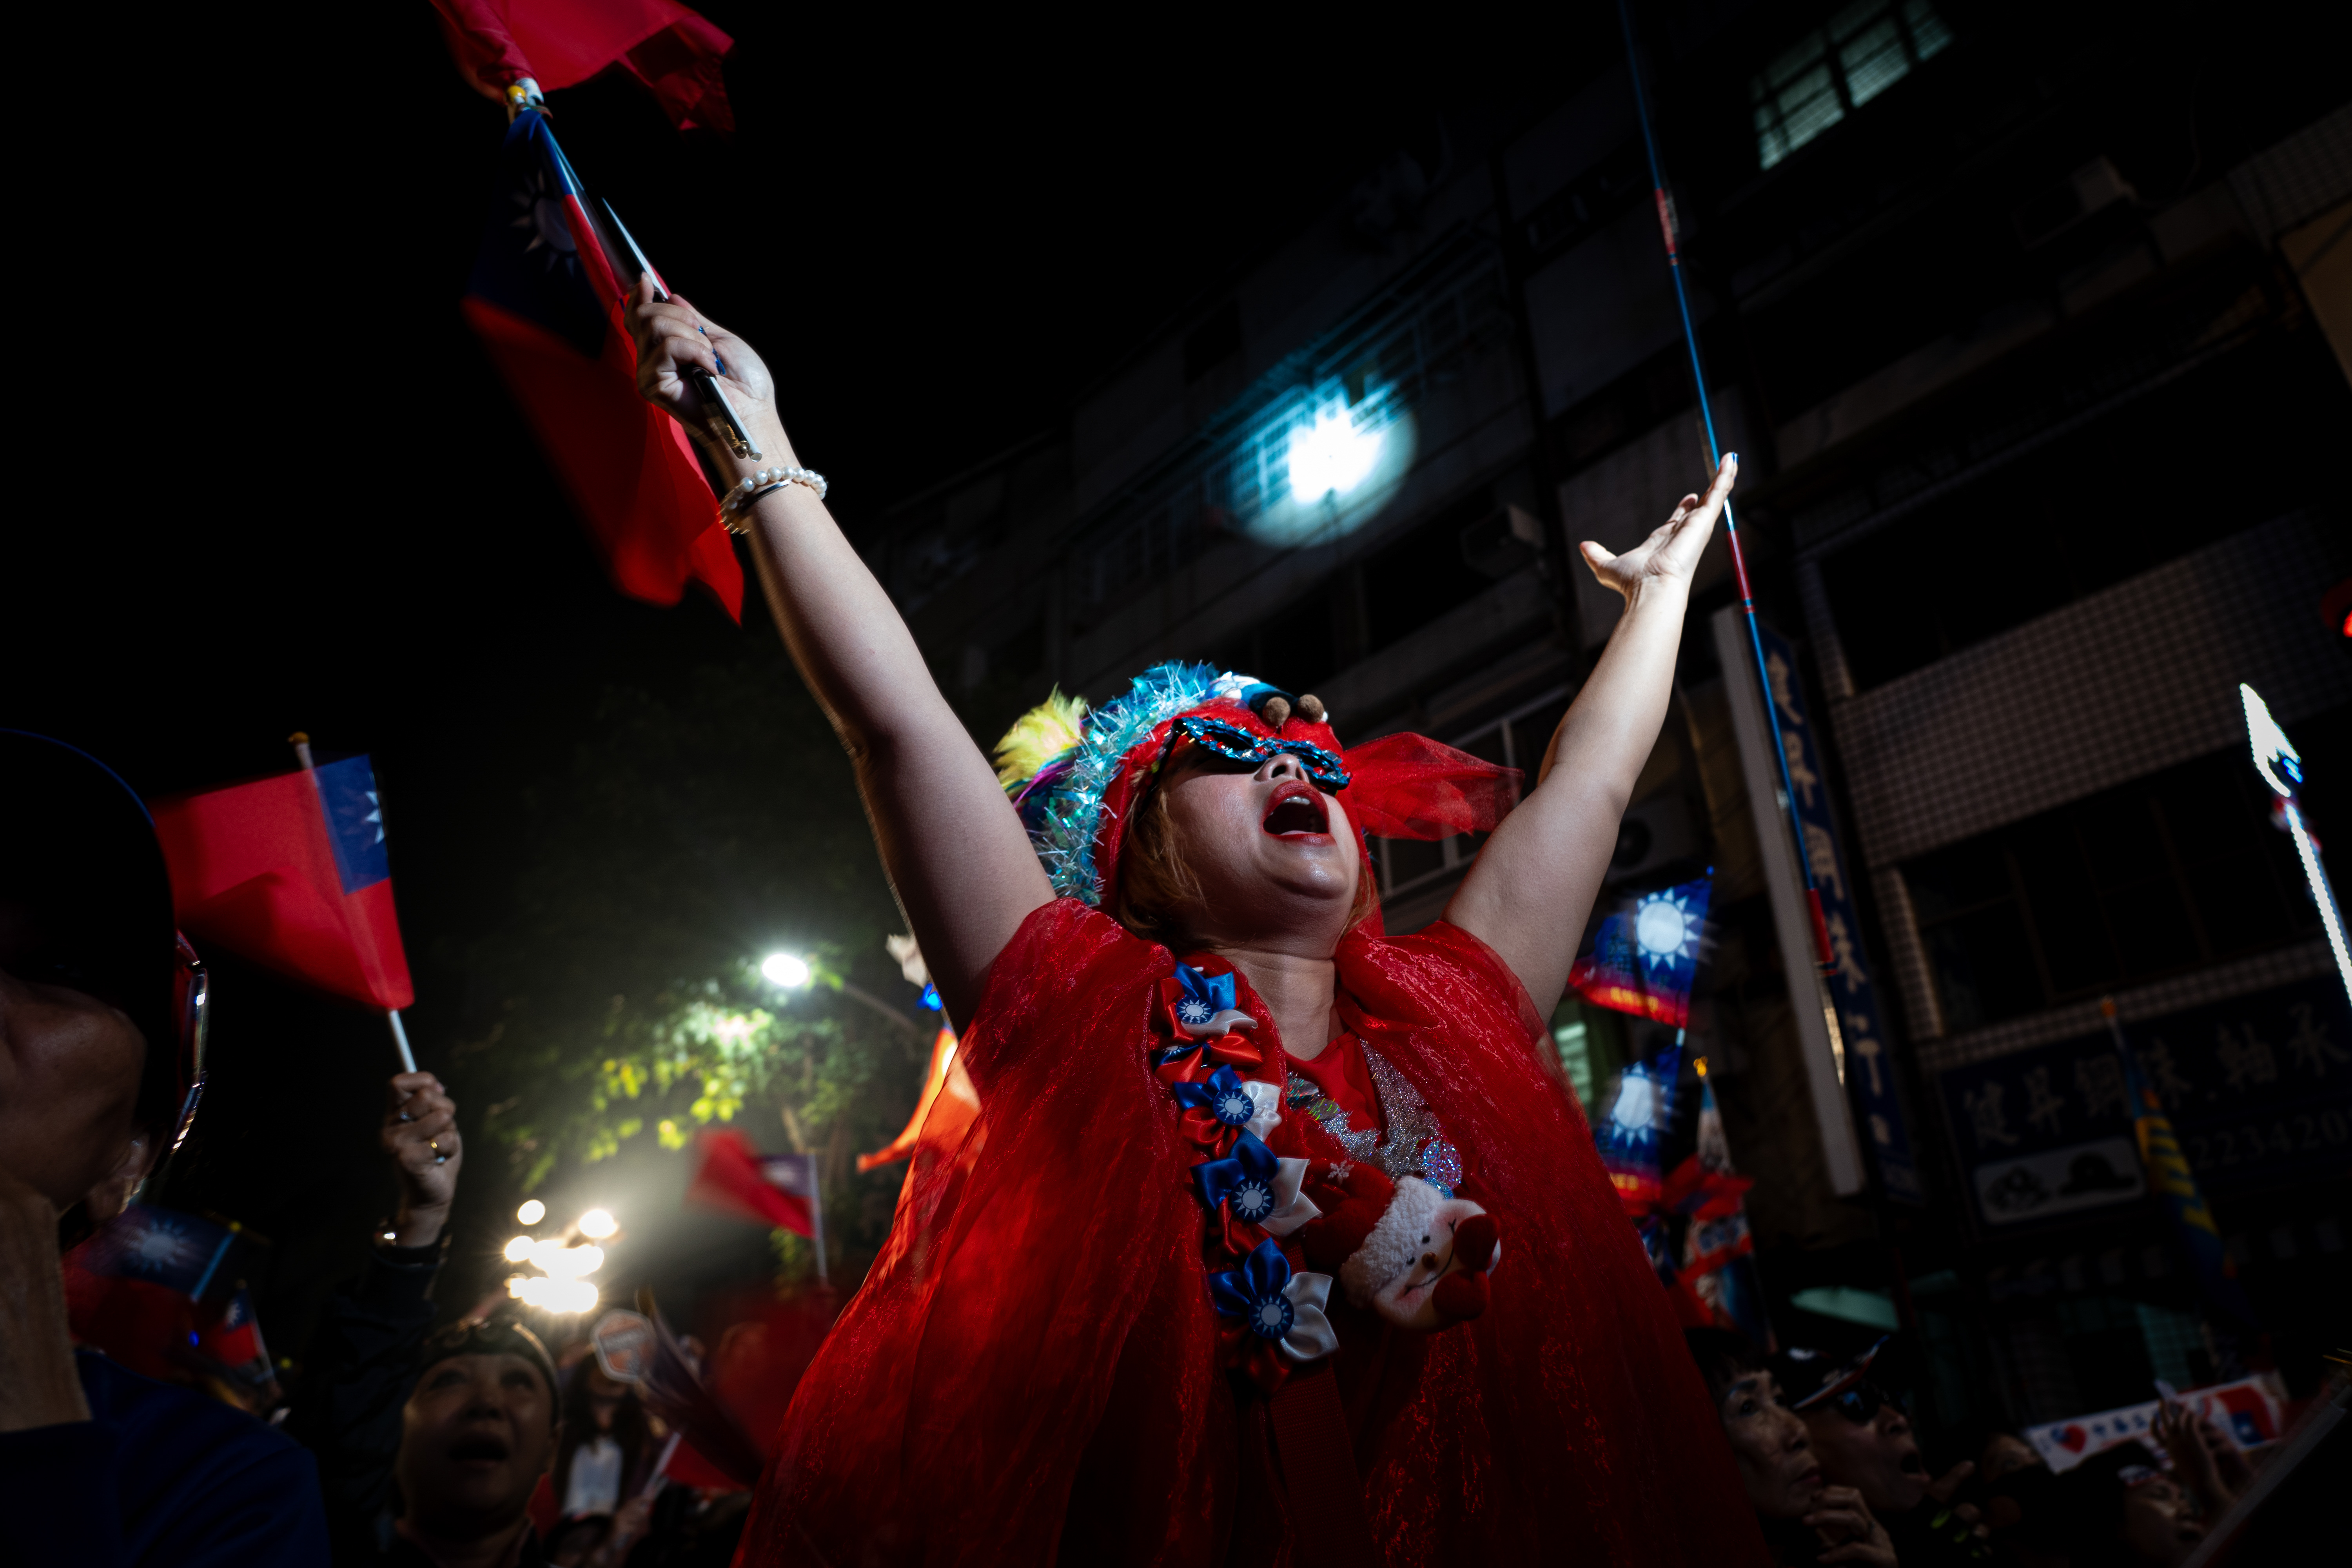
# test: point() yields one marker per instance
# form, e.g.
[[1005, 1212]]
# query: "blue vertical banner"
[[1869, 1066]]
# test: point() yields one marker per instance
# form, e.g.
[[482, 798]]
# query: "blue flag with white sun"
[[1644, 956]]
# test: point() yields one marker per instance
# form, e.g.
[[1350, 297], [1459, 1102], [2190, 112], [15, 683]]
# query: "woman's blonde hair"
[[1157, 889]]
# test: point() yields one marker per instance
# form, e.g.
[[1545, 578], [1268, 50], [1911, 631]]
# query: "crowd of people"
[[1833, 1467], [1180, 1293], [468, 1444], [473, 1444]]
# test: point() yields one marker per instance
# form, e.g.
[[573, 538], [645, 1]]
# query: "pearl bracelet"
[[735, 507]]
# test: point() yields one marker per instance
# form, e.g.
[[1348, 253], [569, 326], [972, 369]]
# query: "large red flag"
[[291, 872], [547, 298], [675, 53]]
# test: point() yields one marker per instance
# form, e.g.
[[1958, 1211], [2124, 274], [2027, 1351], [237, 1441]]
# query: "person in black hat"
[[98, 1466], [1864, 1439]]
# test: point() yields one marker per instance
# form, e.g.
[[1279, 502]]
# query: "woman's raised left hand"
[[1671, 553]]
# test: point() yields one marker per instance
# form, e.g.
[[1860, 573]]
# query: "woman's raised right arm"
[[955, 851]]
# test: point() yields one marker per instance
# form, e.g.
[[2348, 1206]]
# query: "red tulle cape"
[[1030, 1367]]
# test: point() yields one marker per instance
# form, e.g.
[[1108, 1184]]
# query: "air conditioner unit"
[[1656, 833], [2094, 187], [1502, 542]]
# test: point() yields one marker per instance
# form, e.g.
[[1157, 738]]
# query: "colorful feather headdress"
[[1073, 773]]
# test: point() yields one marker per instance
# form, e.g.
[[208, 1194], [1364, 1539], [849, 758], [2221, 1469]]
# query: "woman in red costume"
[[1275, 1240]]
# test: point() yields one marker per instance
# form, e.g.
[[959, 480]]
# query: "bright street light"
[[553, 1295], [782, 969], [519, 1249], [563, 1262], [532, 1212], [598, 1224]]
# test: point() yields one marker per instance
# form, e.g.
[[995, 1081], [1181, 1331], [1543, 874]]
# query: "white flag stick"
[[400, 1040]]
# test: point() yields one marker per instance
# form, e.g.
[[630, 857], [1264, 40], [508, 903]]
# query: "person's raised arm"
[[1535, 881], [953, 848]]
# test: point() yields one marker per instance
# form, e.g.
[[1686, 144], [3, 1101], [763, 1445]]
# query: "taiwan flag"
[[546, 299], [1644, 957], [777, 1190], [1634, 1133], [292, 873], [183, 1253], [675, 53]]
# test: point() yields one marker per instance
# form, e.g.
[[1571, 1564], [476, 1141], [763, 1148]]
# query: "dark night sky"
[[267, 480], [292, 492]]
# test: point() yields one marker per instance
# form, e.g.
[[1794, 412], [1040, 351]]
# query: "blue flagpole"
[[1823, 959]]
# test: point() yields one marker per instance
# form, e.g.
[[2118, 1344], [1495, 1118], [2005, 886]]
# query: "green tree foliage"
[[691, 832]]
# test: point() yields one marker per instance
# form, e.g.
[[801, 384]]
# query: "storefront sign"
[[1852, 990], [2258, 1089]]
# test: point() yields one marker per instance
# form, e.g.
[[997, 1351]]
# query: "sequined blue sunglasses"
[[1234, 744]]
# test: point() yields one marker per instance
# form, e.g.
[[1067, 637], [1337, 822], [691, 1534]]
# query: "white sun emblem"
[[1664, 929], [543, 216], [1269, 1316], [159, 1247], [1192, 1010], [375, 816], [1251, 1199], [1234, 1107]]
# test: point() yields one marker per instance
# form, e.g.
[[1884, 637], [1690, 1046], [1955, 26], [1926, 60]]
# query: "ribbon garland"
[[1273, 1317]]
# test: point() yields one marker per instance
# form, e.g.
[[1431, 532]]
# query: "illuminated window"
[[1830, 72]]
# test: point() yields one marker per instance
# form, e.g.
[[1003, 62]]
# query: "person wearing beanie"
[[98, 1466]]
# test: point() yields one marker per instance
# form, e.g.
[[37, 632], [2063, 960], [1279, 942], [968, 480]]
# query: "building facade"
[[2036, 404]]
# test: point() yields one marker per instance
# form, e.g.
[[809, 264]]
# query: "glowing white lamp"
[[782, 969], [520, 1249], [561, 1262], [532, 1212], [2281, 766], [598, 1224], [1330, 457]]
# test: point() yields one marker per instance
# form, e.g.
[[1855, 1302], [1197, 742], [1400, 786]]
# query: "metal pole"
[[816, 1210], [1824, 958]]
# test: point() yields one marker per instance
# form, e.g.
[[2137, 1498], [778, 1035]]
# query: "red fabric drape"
[[1410, 786], [674, 52], [1030, 1367]]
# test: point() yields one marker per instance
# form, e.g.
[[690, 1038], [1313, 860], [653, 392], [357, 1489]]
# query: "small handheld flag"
[[291, 872], [181, 1252], [778, 1190]]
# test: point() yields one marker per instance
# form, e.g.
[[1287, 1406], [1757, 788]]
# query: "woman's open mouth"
[[478, 1449], [1296, 809]]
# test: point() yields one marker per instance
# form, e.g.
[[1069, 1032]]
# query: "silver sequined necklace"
[[1415, 1145]]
